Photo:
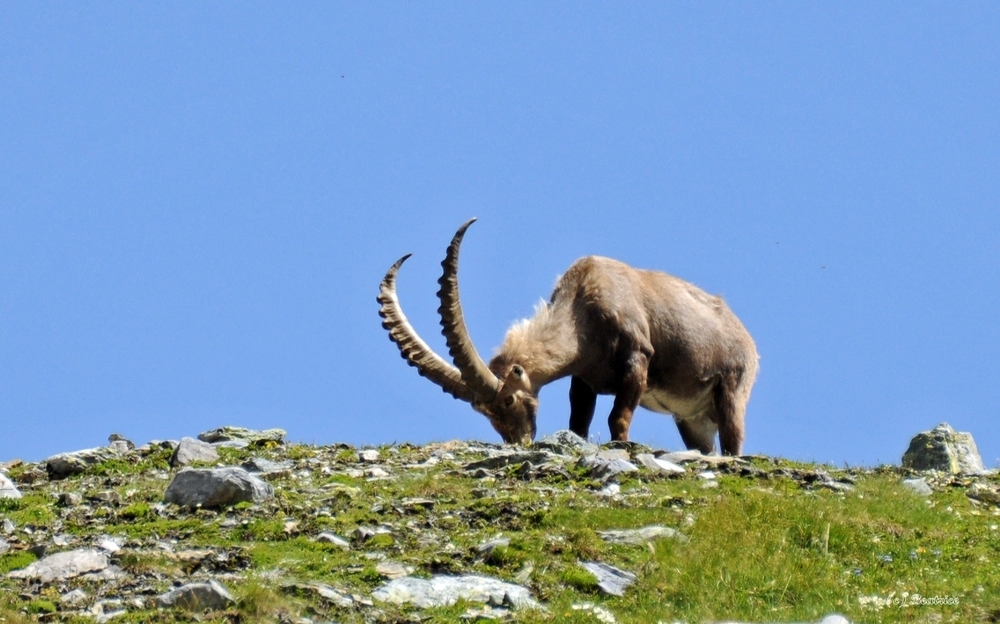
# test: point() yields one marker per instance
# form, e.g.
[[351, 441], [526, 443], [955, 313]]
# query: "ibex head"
[[502, 393]]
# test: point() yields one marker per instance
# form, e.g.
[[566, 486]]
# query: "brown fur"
[[646, 337]]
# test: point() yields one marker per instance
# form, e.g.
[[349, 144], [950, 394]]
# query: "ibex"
[[646, 337]]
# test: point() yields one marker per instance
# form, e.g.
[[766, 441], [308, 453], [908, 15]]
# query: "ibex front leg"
[[582, 401], [633, 386]]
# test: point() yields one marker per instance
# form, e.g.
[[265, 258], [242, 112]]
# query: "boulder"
[[191, 450], [944, 449], [216, 487]]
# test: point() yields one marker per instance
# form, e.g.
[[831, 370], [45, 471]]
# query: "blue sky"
[[198, 200]]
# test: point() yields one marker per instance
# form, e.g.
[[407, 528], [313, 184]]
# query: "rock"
[[393, 569], [73, 598], [565, 442], [4, 546], [64, 565], [642, 535], [683, 457], [257, 438], [216, 487], [610, 580], [197, 597], [191, 450], [70, 499], [614, 453], [268, 467], [67, 464], [512, 458], [444, 590], [486, 548], [944, 449], [369, 456], [984, 494], [120, 444], [918, 486], [654, 463], [326, 537], [327, 593], [7, 488], [606, 469], [7, 526]]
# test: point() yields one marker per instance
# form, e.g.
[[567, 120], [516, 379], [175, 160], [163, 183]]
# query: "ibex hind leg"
[[698, 433], [582, 401], [731, 396]]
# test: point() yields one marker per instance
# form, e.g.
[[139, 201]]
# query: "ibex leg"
[[582, 400]]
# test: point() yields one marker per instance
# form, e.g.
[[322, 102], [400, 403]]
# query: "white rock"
[[64, 565], [444, 590], [7, 488], [197, 597]]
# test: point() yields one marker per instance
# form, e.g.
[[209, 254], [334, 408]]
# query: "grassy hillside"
[[768, 540]]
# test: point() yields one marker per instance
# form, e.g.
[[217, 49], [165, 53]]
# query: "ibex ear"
[[517, 371], [517, 379]]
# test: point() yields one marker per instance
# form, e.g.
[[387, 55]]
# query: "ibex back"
[[646, 337]]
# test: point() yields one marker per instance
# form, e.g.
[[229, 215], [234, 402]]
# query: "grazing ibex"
[[646, 337]]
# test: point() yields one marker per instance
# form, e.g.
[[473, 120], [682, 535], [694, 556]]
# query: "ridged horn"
[[415, 351], [476, 375]]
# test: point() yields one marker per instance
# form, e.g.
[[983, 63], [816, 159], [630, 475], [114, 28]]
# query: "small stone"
[[656, 464], [918, 486], [4, 546], [197, 597], [70, 499], [369, 455], [268, 467], [609, 454], [606, 469], [565, 442], [327, 593], [641, 535], [73, 598], [393, 569], [190, 450], [610, 580], [331, 538], [487, 548]]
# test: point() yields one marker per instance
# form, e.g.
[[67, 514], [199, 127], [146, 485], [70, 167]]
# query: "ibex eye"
[[509, 401]]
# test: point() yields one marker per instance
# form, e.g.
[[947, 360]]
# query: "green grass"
[[761, 548]]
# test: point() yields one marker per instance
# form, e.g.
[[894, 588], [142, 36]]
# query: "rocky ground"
[[240, 526]]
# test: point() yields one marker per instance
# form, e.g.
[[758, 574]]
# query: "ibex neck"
[[545, 346]]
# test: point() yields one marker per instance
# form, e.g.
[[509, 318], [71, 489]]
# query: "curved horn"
[[476, 375], [414, 350]]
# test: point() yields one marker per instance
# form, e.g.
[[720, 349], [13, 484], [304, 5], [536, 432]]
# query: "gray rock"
[[327, 537], [606, 469], [67, 464], [267, 467], [64, 565], [502, 459], [70, 499], [191, 450], [216, 487], [7, 488], [197, 597], [73, 598], [684, 457], [393, 569], [327, 593], [7, 526], [4, 546], [486, 548], [610, 580], [945, 449], [369, 455], [443, 590], [918, 486], [565, 442], [225, 434], [642, 535], [984, 493], [654, 463]]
